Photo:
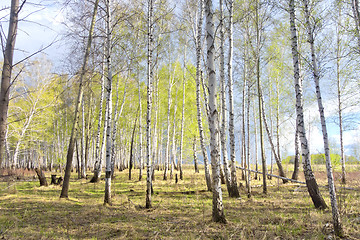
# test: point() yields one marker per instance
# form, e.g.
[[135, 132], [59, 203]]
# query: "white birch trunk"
[[83, 167], [22, 135], [155, 124], [107, 198], [218, 209], [98, 155], [198, 97], [116, 116], [173, 145], [248, 138], [196, 166], [149, 103], [182, 119], [223, 102], [311, 183], [263, 159], [256, 145], [339, 95], [335, 211], [234, 188], [167, 148], [297, 153], [277, 159], [141, 163]]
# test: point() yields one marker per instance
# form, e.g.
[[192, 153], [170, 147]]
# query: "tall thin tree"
[[109, 143], [6, 72], [218, 209], [223, 101], [233, 184], [311, 183], [149, 101], [70, 153], [316, 74], [198, 97]]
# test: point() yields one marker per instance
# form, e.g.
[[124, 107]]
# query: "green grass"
[[180, 211]]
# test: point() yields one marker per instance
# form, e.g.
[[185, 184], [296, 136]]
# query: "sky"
[[43, 25], [39, 26]]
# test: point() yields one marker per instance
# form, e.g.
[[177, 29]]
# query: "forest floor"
[[180, 210]]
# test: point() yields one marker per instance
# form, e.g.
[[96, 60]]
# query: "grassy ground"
[[180, 211]]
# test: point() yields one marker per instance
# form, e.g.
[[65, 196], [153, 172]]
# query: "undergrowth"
[[180, 210]]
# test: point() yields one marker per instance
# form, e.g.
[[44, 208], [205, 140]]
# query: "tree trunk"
[[70, 153], [198, 97], [116, 116], [278, 161], [41, 177], [22, 135], [83, 167], [263, 159], [335, 211], [141, 163], [195, 157], [223, 103], [295, 174], [156, 108], [173, 144], [149, 103], [339, 94], [109, 143], [78, 166], [182, 120], [256, 145], [248, 139], [131, 160], [233, 184], [217, 210], [6, 73], [167, 148], [98, 155], [311, 183]]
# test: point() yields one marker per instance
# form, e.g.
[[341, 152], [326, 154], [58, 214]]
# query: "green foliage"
[[320, 159]]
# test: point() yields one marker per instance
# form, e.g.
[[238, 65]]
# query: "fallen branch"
[[272, 175]]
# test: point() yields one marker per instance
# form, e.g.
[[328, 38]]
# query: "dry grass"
[[180, 211]]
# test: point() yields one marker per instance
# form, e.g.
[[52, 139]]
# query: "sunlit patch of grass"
[[180, 211]]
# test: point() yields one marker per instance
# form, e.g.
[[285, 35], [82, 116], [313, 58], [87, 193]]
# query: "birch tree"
[[198, 97], [98, 155], [277, 158], [70, 153], [223, 101], [314, 65], [167, 145], [182, 118], [149, 101], [109, 76], [141, 162], [233, 183], [218, 209], [311, 183]]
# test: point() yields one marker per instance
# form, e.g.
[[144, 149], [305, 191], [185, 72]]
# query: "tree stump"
[[53, 179], [41, 177], [59, 181]]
